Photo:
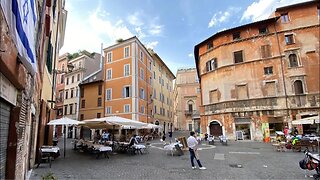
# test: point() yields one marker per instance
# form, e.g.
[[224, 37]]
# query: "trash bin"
[[55, 142]]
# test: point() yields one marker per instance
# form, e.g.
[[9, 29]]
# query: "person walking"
[[192, 144]]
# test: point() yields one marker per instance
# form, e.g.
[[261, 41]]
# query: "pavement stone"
[[258, 161]]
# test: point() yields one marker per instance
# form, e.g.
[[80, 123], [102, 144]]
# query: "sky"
[[170, 27]]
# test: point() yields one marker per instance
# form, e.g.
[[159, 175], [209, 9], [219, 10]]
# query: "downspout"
[[55, 59], [282, 72]]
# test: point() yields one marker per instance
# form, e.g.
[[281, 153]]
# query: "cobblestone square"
[[238, 160]]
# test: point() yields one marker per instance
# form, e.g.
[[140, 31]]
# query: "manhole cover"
[[235, 165]]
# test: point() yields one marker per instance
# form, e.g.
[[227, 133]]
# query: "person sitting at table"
[[133, 141], [105, 136]]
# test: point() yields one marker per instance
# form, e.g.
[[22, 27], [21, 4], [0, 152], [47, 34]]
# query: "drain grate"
[[236, 165]]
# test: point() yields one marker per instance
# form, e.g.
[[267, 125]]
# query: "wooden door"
[[215, 130]]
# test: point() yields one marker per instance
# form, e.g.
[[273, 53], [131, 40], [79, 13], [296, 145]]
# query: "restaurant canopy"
[[146, 126], [308, 120], [110, 121]]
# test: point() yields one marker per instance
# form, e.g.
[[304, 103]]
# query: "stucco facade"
[[187, 100], [127, 72], [162, 93], [26, 98], [258, 77], [92, 97]]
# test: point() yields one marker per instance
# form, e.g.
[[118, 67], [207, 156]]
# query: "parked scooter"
[[223, 139], [311, 162]]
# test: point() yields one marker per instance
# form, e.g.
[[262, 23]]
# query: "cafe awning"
[[308, 120], [111, 121]]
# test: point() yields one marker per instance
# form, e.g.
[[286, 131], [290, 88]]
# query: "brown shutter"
[[12, 143]]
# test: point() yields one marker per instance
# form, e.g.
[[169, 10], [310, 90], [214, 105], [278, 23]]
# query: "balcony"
[[193, 114]]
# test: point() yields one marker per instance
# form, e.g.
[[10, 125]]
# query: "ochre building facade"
[[257, 78]]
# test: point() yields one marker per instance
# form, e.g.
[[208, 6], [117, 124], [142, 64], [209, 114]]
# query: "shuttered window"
[[270, 89], [265, 51], [242, 91], [213, 96], [126, 91]]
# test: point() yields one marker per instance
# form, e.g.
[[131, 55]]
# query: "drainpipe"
[[283, 78]]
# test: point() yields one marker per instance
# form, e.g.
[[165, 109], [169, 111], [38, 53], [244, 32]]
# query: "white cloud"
[[263, 8], [151, 45], [134, 19], [222, 17], [190, 55], [89, 32], [155, 29]]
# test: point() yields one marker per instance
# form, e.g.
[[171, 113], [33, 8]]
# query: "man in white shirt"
[[192, 144]]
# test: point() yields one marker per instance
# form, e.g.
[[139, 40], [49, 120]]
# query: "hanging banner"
[[21, 18]]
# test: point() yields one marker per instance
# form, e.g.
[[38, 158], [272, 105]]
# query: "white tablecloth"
[[102, 148], [171, 146], [50, 149], [139, 146]]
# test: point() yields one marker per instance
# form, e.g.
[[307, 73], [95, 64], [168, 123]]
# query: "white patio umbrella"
[[146, 126], [114, 121], [151, 126], [64, 121]]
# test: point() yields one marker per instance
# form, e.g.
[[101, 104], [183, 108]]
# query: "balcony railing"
[[193, 113]]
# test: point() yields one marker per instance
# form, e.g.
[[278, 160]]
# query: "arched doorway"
[[215, 128]]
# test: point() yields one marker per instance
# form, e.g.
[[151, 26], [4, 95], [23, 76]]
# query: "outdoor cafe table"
[[53, 151], [98, 148], [102, 150]]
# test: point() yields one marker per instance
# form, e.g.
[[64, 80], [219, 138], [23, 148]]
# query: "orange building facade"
[[127, 80], [257, 78]]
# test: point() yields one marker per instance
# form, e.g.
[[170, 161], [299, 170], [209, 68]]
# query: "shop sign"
[[7, 90], [242, 120]]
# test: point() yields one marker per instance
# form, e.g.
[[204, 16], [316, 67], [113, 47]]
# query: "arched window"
[[298, 88], [293, 60]]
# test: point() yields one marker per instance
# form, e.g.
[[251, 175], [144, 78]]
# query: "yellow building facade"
[[162, 93], [91, 97]]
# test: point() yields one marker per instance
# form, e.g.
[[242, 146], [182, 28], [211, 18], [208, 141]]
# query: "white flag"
[[21, 18]]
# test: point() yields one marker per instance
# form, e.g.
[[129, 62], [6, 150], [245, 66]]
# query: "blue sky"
[[172, 27]]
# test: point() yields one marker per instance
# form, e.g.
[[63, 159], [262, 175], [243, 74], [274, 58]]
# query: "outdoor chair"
[[146, 149], [131, 149], [43, 158]]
